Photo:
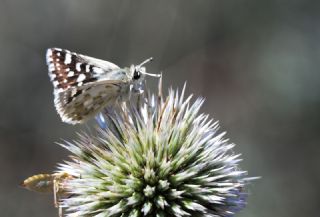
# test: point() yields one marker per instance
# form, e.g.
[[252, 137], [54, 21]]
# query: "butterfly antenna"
[[146, 61], [152, 75]]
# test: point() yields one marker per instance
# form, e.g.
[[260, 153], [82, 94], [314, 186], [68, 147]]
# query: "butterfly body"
[[84, 85]]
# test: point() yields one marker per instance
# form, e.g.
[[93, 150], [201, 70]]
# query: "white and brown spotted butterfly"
[[84, 85]]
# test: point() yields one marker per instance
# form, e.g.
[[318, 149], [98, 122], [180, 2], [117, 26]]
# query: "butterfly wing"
[[83, 85], [69, 69], [78, 104]]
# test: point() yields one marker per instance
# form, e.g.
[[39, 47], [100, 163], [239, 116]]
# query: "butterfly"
[[84, 85]]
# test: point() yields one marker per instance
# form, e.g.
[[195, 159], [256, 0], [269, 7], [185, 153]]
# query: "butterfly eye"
[[136, 75]]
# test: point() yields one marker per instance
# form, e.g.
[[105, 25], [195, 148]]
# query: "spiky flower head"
[[158, 158]]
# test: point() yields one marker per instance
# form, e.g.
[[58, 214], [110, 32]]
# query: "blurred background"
[[256, 63]]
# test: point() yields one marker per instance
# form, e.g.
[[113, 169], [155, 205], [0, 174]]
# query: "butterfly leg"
[[60, 211]]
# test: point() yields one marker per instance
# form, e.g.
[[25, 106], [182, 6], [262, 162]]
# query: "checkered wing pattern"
[[83, 85]]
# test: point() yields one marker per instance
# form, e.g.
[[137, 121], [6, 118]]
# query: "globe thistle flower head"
[[159, 157]]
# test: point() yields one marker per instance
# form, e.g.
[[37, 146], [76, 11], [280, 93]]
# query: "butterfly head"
[[138, 74]]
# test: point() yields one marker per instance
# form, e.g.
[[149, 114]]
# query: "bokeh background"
[[256, 63]]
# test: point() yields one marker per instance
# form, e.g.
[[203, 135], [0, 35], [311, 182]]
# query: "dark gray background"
[[255, 62]]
